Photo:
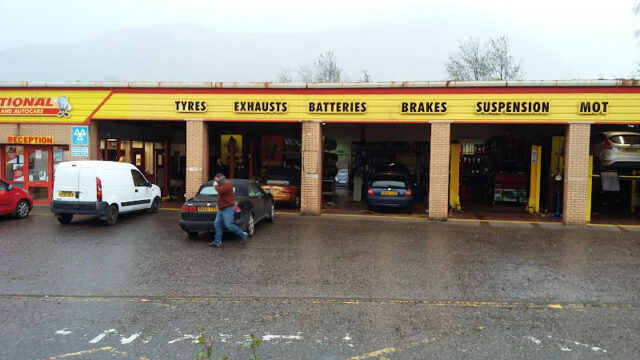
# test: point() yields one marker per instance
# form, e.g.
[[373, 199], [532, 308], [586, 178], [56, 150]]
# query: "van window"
[[138, 179]]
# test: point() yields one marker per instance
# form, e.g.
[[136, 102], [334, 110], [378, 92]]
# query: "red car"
[[14, 201]]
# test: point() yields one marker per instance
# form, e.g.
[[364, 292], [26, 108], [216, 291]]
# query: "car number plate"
[[66, 194], [630, 150], [207, 209], [386, 192]]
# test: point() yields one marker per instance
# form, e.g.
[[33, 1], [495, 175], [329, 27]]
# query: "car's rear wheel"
[[64, 218], [251, 225], [272, 213], [112, 215], [155, 205], [22, 209]]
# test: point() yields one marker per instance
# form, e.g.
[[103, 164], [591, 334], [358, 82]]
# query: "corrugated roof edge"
[[273, 85]]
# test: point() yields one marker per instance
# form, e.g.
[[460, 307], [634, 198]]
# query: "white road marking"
[[102, 335], [538, 342], [224, 337], [270, 337], [63, 332], [97, 338], [592, 347], [129, 340], [194, 339], [564, 348], [347, 339]]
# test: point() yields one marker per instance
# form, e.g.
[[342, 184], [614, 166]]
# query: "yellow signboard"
[[525, 106], [49, 106], [39, 140]]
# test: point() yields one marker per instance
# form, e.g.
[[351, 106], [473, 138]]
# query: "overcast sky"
[[555, 39]]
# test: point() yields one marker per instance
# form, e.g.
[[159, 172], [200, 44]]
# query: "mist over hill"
[[188, 53]]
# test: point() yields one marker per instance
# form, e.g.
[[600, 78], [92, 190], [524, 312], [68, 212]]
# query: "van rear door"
[[87, 184], [65, 185]]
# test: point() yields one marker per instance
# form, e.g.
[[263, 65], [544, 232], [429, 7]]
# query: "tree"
[[492, 61], [324, 69], [365, 77], [504, 66], [327, 69]]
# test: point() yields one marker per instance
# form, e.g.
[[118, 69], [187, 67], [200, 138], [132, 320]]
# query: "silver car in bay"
[[614, 150]]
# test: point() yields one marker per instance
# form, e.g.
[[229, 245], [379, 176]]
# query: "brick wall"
[[61, 136], [311, 184], [439, 171], [576, 173], [197, 155]]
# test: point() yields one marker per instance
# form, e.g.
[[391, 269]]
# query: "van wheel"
[[22, 209], [64, 218], [112, 215], [155, 205]]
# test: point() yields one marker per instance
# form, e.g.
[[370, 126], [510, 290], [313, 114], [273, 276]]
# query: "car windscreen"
[[626, 139], [388, 181], [276, 182], [279, 177], [208, 191]]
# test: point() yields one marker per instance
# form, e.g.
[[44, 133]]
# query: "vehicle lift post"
[[533, 206], [589, 188], [454, 178]]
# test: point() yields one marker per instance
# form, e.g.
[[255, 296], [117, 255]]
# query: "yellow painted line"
[[170, 209], [372, 354], [443, 303], [614, 225], [371, 216], [506, 221]]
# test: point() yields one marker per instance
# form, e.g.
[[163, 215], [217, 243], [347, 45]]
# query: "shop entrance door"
[[39, 176], [160, 170], [137, 156], [14, 166]]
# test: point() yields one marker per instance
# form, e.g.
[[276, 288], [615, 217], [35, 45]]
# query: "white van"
[[103, 188]]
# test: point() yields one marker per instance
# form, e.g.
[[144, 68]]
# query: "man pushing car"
[[225, 215]]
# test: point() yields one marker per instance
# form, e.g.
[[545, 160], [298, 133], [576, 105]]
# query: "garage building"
[[484, 146]]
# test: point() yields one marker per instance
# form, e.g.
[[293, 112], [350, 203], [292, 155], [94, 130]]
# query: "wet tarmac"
[[329, 287]]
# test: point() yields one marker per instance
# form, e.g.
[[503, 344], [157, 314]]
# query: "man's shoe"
[[245, 237], [214, 244]]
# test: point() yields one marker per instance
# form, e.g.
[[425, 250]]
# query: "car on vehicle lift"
[[252, 206], [283, 184], [390, 189], [342, 177], [14, 201], [615, 150]]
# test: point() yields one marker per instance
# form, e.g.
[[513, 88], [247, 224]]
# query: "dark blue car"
[[390, 190]]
